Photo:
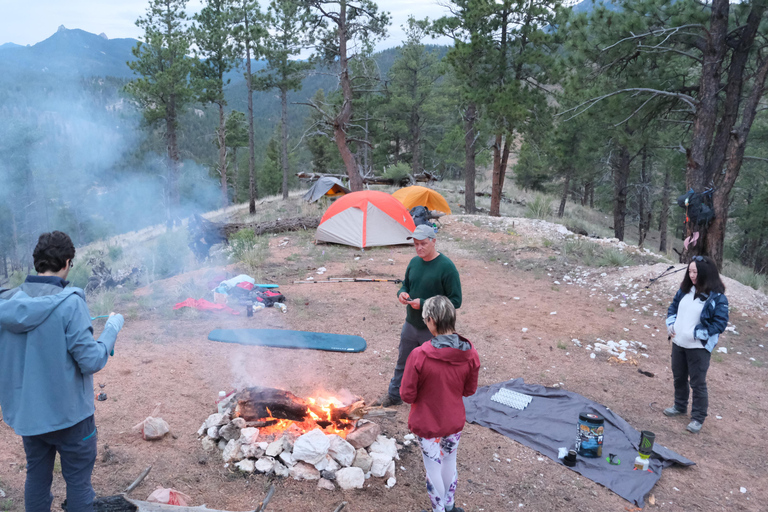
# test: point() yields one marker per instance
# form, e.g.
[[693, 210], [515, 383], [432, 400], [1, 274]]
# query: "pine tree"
[[288, 21], [162, 87], [216, 55], [347, 24]]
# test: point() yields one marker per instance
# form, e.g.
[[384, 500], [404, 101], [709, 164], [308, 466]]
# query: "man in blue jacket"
[[47, 360]]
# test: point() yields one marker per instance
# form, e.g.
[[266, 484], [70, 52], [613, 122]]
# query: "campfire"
[[273, 431], [272, 411]]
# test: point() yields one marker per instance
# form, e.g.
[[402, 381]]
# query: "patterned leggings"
[[440, 464]]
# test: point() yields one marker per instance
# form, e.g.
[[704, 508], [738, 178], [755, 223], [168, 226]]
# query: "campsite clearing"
[[513, 278]]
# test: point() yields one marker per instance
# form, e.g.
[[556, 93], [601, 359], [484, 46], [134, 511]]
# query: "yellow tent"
[[422, 196]]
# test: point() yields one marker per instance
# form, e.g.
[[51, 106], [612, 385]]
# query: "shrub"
[[167, 255], [398, 172], [615, 258], [744, 275], [539, 208]]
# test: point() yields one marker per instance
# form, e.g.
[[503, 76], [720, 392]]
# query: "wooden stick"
[[341, 506], [263, 505], [140, 479]]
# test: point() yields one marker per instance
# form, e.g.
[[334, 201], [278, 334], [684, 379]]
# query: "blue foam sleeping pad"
[[290, 339]]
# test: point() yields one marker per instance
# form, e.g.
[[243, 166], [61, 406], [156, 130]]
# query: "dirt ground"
[[509, 283]]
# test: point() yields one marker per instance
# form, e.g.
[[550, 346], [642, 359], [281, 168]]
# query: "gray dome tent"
[[331, 187]]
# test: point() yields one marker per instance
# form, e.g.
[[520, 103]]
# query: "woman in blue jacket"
[[695, 319]]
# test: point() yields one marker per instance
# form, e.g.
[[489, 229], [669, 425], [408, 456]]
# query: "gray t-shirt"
[[688, 317]]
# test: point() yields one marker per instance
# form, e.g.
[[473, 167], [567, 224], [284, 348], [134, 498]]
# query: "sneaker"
[[386, 401], [693, 427], [672, 411]]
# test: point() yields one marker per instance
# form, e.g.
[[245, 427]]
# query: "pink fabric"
[[204, 305], [245, 285]]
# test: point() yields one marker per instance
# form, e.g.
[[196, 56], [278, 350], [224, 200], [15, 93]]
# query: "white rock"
[[231, 451], [722, 350], [341, 450], [208, 444], [312, 447], [222, 444], [252, 451], [325, 484], [391, 482], [553, 313], [386, 446], [719, 417], [742, 490], [238, 422], [265, 465], [274, 448], [390, 472], [327, 464], [303, 471], [263, 445], [281, 470], [592, 355], [381, 462], [287, 459], [213, 432], [350, 478], [216, 419], [246, 466], [525, 329], [363, 460], [248, 435]]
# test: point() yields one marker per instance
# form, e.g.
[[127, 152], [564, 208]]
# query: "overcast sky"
[[30, 21]]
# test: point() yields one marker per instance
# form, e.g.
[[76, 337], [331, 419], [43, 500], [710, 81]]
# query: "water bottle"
[[282, 307]]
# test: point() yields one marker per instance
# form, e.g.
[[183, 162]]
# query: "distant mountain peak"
[[61, 28], [103, 36]]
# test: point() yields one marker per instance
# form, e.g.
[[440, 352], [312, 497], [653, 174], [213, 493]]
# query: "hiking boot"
[[672, 411], [386, 401], [454, 509], [693, 427]]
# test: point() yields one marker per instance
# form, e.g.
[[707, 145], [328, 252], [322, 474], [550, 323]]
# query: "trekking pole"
[[664, 274], [350, 280]]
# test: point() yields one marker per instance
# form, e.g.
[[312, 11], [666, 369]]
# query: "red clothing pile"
[[434, 382], [204, 305]]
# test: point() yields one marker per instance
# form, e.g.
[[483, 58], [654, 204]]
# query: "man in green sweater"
[[428, 274]]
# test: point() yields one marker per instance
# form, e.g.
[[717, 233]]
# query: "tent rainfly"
[[422, 196], [325, 186], [366, 219]]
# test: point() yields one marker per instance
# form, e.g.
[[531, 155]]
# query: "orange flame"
[[324, 422]]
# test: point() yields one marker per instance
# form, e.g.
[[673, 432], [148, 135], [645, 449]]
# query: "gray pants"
[[410, 338], [77, 447], [691, 363]]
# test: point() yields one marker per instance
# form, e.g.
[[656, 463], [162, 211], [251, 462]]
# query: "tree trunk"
[[716, 141], [235, 176], [284, 137], [222, 134], [500, 158], [644, 200], [621, 168], [664, 215], [564, 197], [341, 122], [173, 161], [253, 190], [470, 172]]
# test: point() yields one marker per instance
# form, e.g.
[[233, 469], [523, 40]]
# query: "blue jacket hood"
[[22, 313]]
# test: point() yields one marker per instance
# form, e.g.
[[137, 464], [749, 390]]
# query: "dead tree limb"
[[138, 480], [263, 505]]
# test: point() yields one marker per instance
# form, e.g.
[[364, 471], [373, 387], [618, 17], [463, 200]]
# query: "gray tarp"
[[322, 186], [550, 421]]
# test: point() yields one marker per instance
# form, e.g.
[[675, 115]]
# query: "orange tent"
[[366, 219], [422, 196]]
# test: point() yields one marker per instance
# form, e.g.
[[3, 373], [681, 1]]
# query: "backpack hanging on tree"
[[698, 206]]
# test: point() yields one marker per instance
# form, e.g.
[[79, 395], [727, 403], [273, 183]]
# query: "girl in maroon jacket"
[[437, 375]]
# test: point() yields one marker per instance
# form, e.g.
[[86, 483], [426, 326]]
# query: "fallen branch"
[[340, 507], [263, 505], [140, 479]]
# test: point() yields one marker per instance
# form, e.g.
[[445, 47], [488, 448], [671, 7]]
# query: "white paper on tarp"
[[550, 421]]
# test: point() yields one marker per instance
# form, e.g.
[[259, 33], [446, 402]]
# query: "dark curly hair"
[[52, 252], [708, 279]]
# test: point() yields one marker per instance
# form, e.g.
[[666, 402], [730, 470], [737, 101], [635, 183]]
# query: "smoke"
[[75, 157]]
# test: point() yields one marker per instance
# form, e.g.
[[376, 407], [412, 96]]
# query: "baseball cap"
[[423, 232]]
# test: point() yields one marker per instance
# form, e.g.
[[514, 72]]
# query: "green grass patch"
[[539, 208], [561, 345], [615, 258], [745, 275]]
